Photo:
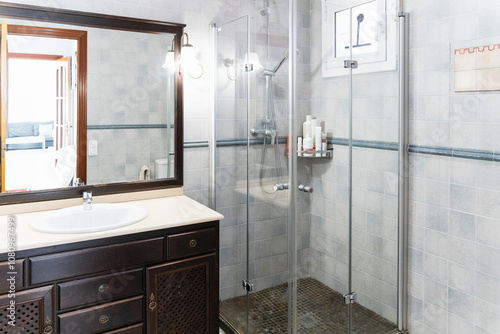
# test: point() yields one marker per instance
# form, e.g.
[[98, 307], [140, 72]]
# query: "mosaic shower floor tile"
[[320, 310]]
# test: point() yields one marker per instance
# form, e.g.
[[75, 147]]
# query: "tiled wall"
[[454, 203], [267, 228], [122, 153], [126, 87], [454, 245], [374, 235]]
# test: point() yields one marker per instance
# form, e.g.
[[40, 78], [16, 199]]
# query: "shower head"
[[285, 57], [275, 69]]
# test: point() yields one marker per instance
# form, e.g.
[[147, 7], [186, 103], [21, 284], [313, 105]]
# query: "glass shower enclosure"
[[311, 242]]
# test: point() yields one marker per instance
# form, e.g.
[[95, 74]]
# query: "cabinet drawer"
[[102, 318], [48, 268], [100, 289], [135, 329], [17, 272], [191, 243]]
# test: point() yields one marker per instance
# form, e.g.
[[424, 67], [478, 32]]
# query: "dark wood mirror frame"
[[76, 18]]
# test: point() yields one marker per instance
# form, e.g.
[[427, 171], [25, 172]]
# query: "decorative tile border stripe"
[[390, 146], [456, 152], [128, 126], [229, 142], [379, 145], [282, 140], [196, 144]]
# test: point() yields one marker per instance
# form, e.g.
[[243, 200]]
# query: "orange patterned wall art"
[[477, 68]]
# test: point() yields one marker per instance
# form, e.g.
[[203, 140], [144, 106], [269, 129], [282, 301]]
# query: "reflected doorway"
[[44, 116], [40, 122]]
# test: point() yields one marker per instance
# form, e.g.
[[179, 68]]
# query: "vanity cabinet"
[[180, 296], [163, 281]]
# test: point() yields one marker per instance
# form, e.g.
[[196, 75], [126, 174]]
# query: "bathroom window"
[[367, 29]]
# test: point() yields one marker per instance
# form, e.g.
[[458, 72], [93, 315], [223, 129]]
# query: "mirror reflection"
[[41, 124], [130, 110], [92, 109]]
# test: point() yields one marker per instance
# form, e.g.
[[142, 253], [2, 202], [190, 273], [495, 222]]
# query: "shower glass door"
[[251, 174], [232, 155], [347, 270], [375, 129]]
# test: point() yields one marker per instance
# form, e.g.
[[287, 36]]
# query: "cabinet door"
[[182, 297], [32, 312]]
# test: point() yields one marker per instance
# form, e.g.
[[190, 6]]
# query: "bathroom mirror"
[[87, 105]]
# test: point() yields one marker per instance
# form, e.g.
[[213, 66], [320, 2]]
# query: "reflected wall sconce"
[[169, 63], [188, 59], [251, 63], [231, 70]]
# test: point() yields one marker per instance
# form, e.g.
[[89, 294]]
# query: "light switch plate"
[[93, 147]]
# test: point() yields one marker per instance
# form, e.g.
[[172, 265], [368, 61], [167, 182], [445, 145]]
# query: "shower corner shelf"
[[328, 154]]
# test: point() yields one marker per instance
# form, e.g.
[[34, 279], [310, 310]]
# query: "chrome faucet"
[[87, 200], [78, 182], [272, 133]]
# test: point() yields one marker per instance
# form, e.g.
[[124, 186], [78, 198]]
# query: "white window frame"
[[384, 59]]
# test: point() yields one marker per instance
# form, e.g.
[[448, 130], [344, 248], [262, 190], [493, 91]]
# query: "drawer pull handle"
[[103, 287], [103, 319], [152, 306], [48, 330], [192, 243]]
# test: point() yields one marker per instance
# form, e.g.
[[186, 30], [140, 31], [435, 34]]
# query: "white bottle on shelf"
[[314, 124], [324, 144], [317, 140], [307, 144], [306, 126]]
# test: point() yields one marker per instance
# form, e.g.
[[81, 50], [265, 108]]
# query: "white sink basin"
[[100, 218]]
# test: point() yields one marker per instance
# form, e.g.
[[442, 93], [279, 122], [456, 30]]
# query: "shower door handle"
[[305, 188]]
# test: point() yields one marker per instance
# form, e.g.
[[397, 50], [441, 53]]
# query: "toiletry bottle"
[[308, 145], [323, 144], [299, 146], [314, 124], [306, 126], [317, 140]]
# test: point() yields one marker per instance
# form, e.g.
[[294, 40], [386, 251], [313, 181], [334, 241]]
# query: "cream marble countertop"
[[163, 212]]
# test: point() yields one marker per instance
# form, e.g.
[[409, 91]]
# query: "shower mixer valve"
[[273, 134]]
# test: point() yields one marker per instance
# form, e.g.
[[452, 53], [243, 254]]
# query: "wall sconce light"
[[170, 58], [188, 59]]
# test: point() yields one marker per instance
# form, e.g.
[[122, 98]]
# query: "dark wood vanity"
[[161, 281]]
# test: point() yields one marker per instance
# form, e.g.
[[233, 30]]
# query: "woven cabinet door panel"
[[33, 312], [179, 296]]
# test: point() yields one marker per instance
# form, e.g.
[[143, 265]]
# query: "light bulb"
[[188, 58]]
